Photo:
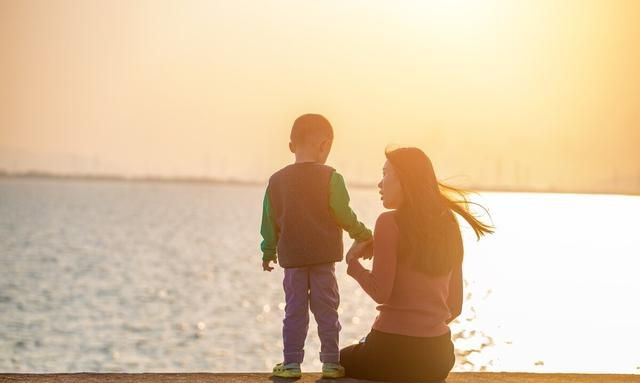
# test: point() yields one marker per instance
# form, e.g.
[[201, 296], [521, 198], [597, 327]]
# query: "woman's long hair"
[[429, 232]]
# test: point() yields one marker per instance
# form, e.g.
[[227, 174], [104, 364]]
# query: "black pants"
[[399, 358]]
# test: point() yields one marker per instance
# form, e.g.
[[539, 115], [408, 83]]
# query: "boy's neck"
[[302, 158]]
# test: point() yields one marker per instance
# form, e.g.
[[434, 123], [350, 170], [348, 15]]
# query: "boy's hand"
[[266, 265], [362, 249]]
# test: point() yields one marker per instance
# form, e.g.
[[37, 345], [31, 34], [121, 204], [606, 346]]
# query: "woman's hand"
[[363, 249], [367, 252]]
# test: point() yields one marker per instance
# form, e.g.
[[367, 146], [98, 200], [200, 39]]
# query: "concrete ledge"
[[455, 377]]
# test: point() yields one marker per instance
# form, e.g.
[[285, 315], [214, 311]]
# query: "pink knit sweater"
[[410, 302]]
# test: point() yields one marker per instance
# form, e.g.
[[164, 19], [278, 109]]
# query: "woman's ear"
[[292, 147]]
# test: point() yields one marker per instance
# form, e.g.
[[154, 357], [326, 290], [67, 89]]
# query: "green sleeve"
[[346, 218], [268, 230]]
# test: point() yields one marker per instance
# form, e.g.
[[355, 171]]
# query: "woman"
[[416, 276]]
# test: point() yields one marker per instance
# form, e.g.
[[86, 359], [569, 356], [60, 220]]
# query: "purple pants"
[[312, 287]]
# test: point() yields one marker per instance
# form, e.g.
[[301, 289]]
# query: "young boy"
[[305, 208]]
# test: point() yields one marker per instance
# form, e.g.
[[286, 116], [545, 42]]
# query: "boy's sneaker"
[[332, 370], [289, 370]]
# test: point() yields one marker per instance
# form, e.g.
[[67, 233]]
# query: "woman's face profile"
[[390, 188]]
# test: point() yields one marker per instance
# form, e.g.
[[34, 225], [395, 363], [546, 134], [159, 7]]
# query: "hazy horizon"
[[532, 94]]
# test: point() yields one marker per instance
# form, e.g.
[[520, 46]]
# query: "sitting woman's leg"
[[354, 362], [391, 357], [365, 360]]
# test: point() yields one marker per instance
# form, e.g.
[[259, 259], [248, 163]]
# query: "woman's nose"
[[380, 184]]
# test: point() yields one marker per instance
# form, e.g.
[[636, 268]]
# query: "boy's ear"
[[326, 144], [292, 147]]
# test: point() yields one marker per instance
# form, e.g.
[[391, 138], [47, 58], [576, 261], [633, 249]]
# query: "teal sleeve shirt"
[[268, 230], [344, 216], [342, 213]]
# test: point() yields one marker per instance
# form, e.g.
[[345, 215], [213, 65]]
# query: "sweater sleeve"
[[268, 230], [345, 217], [378, 282], [454, 300]]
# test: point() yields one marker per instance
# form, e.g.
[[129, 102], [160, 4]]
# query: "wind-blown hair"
[[429, 232]]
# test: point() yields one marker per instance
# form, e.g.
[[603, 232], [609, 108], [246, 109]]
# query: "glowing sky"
[[528, 93]]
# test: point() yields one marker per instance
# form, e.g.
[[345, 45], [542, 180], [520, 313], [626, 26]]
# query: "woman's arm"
[[378, 282], [454, 301]]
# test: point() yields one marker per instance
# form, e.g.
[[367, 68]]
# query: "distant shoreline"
[[120, 178], [239, 182]]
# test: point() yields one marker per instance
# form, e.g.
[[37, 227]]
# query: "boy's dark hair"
[[311, 127]]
